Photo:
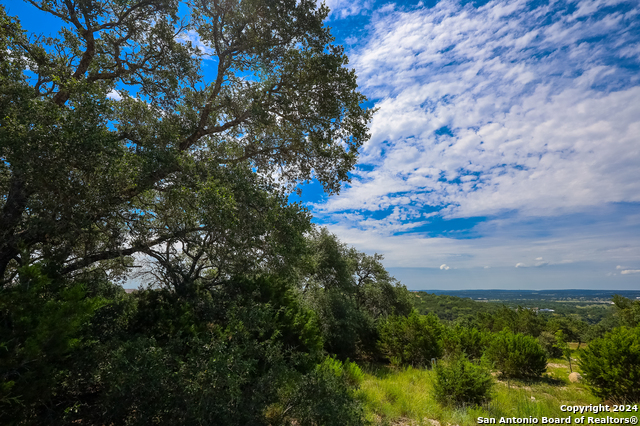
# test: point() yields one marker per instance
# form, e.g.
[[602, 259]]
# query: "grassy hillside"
[[405, 397]]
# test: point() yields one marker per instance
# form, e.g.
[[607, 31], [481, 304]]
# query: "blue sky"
[[505, 152], [506, 149]]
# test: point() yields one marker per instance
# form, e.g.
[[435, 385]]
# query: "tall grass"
[[405, 397]]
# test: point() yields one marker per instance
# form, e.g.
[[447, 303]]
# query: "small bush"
[[517, 355], [460, 382], [611, 365], [411, 340], [323, 397], [349, 371]]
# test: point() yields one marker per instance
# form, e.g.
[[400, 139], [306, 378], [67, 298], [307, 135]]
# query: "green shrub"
[[247, 352], [460, 382], [611, 365], [549, 343], [323, 397], [464, 340], [43, 325], [350, 292], [517, 355], [349, 371], [627, 310], [411, 340], [342, 324]]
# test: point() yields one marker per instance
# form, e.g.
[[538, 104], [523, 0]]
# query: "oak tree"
[[142, 128]]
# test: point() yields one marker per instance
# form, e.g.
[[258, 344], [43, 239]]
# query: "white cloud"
[[490, 110], [114, 95], [502, 243], [346, 8], [520, 265], [197, 43], [444, 267], [630, 271], [529, 126]]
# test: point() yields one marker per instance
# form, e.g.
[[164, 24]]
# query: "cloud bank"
[[505, 112], [499, 108]]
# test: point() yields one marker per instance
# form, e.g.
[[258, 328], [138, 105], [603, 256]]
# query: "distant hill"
[[585, 295]]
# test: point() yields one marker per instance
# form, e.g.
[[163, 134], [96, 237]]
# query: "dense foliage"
[[115, 142], [520, 320], [611, 365], [246, 353], [411, 340], [590, 318], [627, 310], [460, 382], [123, 158], [352, 294], [450, 308], [517, 355], [549, 343], [471, 342]]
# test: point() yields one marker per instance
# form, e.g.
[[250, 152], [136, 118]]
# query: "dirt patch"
[[512, 386], [409, 422], [554, 365]]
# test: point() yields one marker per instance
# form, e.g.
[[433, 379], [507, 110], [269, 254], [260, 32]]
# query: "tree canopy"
[[169, 135], [120, 135]]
